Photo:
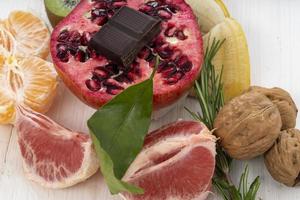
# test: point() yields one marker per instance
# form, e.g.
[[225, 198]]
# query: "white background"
[[273, 32]]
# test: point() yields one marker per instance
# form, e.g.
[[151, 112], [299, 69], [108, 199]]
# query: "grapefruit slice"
[[177, 162], [53, 156]]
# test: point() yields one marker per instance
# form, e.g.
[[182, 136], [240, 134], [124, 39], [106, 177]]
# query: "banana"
[[209, 13], [233, 56]]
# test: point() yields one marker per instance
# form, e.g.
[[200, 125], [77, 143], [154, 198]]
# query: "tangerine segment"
[[30, 81], [7, 108], [40, 83], [30, 32], [7, 41]]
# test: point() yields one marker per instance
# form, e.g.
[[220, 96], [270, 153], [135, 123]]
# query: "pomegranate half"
[[96, 80]]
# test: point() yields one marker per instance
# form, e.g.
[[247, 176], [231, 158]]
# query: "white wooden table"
[[273, 31]]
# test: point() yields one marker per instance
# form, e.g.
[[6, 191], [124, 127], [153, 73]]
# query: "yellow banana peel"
[[233, 56]]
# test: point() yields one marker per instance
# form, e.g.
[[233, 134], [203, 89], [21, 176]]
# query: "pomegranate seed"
[[84, 39], [72, 49], [165, 15], [169, 72], [153, 4], [110, 13], [63, 36], [165, 52], [181, 60], [74, 37], [112, 69], [144, 53], [175, 77], [98, 12], [172, 8], [61, 47], [112, 87], [123, 78], [180, 35], [146, 9], [170, 31], [81, 55], [100, 74], [63, 55], [92, 85], [100, 21], [187, 66]]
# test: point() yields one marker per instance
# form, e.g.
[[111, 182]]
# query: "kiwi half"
[[58, 9]]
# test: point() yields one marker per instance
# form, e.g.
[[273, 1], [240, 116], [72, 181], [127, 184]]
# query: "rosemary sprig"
[[210, 95]]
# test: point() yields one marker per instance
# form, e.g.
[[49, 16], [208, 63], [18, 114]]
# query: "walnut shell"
[[286, 106], [248, 125], [283, 159]]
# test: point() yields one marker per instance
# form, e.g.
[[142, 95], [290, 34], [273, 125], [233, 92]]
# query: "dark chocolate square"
[[135, 23], [125, 34]]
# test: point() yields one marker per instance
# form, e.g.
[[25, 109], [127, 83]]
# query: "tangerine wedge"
[[30, 32], [30, 81]]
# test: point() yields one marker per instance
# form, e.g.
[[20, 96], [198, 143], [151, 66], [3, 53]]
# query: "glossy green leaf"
[[118, 130]]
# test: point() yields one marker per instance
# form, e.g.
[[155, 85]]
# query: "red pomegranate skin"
[[90, 76]]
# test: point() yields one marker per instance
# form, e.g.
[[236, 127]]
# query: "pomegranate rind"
[[74, 76], [194, 160], [36, 134]]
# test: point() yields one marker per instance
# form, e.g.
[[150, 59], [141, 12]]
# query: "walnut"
[[284, 102], [248, 125], [283, 159]]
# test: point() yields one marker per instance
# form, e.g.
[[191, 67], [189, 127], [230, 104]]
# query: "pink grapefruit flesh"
[[53, 156], [176, 163]]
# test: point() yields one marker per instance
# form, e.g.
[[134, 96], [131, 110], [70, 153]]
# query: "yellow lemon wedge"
[[209, 13], [29, 81], [233, 56]]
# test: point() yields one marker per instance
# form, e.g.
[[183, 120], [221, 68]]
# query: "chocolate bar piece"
[[125, 34]]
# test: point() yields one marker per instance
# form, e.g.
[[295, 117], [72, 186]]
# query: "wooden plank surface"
[[272, 28]]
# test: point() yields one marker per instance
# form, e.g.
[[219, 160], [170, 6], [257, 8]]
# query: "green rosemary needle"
[[210, 95]]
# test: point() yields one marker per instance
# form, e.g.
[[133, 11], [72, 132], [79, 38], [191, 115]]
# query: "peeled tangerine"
[[209, 13], [233, 56], [30, 33], [24, 77], [53, 156], [30, 81], [176, 163]]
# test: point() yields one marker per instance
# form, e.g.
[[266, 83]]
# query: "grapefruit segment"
[[177, 162], [53, 156]]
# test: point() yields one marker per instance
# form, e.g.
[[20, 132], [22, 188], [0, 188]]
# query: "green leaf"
[[118, 130], [115, 185]]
